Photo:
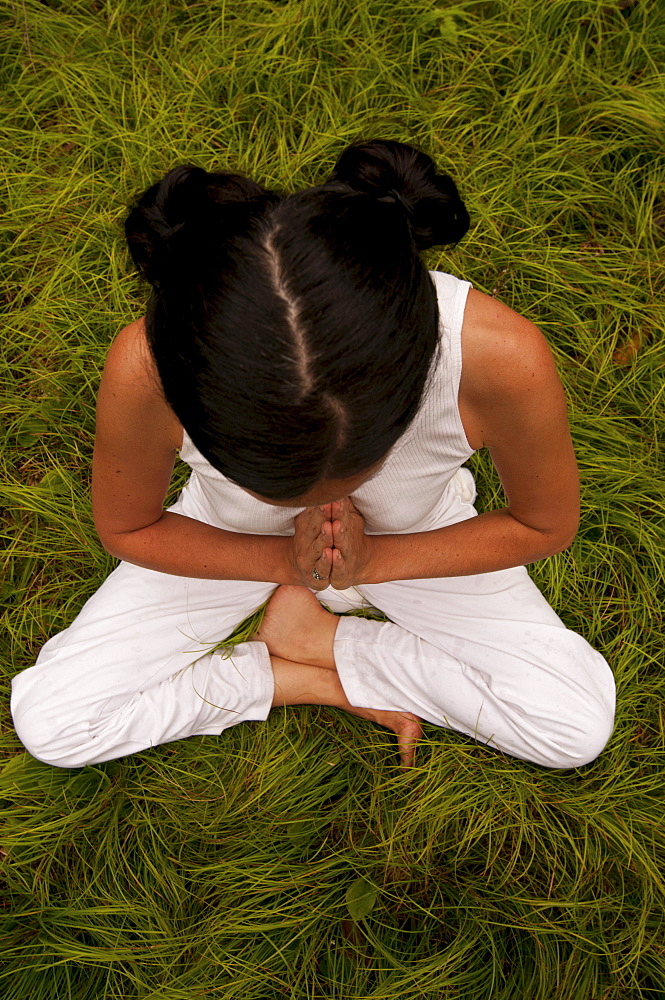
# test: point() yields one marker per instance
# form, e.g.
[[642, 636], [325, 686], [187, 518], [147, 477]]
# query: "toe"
[[407, 737]]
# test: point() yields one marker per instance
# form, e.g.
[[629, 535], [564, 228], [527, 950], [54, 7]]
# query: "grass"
[[293, 858]]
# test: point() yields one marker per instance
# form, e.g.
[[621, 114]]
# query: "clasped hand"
[[331, 540]]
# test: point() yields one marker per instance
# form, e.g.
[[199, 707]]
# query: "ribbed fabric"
[[410, 491]]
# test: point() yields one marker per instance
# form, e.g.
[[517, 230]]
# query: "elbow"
[[550, 541], [561, 541], [546, 546], [571, 534], [564, 544], [112, 549], [124, 544], [115, 543]]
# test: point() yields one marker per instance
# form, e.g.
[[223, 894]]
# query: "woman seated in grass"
[[326, 389]]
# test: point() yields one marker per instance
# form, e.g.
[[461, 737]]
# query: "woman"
[[325, 389]]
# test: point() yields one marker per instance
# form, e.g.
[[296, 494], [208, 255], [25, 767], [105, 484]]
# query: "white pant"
[[485, 655]]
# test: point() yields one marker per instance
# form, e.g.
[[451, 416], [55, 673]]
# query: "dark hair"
[[293, 334]]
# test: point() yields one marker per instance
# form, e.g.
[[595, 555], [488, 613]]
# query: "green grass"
[[293, 858]]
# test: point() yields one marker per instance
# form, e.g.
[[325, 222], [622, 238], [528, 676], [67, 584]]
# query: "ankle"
[[321, 643], [305, 684]]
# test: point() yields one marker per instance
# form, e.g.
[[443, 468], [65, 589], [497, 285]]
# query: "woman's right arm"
[[136, 441]]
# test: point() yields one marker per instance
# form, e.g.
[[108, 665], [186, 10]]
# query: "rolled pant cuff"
[[355, 649]]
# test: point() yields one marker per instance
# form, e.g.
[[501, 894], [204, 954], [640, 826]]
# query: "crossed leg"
[[485, 655], [299, 634], [138, 667]]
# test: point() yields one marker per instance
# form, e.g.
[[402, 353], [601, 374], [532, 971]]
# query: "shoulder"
[[500, 347], [505, 360], [131, 384], [129, 356]]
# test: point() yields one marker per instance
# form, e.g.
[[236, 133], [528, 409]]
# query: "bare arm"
[[511, 386], [136, 441]]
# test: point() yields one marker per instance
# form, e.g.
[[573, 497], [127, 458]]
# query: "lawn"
[[294, 858]]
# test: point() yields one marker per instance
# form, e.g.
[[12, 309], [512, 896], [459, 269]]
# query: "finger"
[[339, 578], [308, 521], [406, 743], [323, 565], [407, 748], [337, 532], [321, 584], [315, 521]]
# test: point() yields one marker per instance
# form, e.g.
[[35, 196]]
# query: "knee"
[[583, 747], [582, 737], [574, 706], [40, 724]]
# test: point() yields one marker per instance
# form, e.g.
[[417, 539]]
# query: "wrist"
[[373, 570], [380, 559], [276, 559]]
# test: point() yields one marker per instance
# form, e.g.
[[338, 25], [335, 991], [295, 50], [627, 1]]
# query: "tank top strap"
[[452, 294]]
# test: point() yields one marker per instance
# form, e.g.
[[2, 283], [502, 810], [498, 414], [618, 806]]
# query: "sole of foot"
[[296, 627]]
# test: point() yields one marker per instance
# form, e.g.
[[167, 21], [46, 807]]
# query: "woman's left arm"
[[513, 389]]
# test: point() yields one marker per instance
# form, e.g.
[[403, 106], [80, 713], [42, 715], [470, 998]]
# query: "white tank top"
[[415, 487]]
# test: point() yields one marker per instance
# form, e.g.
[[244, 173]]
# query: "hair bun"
[[159, 215], [404, 175], [178, 206]]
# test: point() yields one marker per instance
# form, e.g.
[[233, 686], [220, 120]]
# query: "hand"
[[352, 547], [312, 547]]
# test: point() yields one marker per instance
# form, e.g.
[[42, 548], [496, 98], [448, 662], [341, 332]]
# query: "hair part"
[[301, 353]]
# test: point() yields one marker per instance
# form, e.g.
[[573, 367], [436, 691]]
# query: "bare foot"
[[304, 684], [404, 725], [296, 627]]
